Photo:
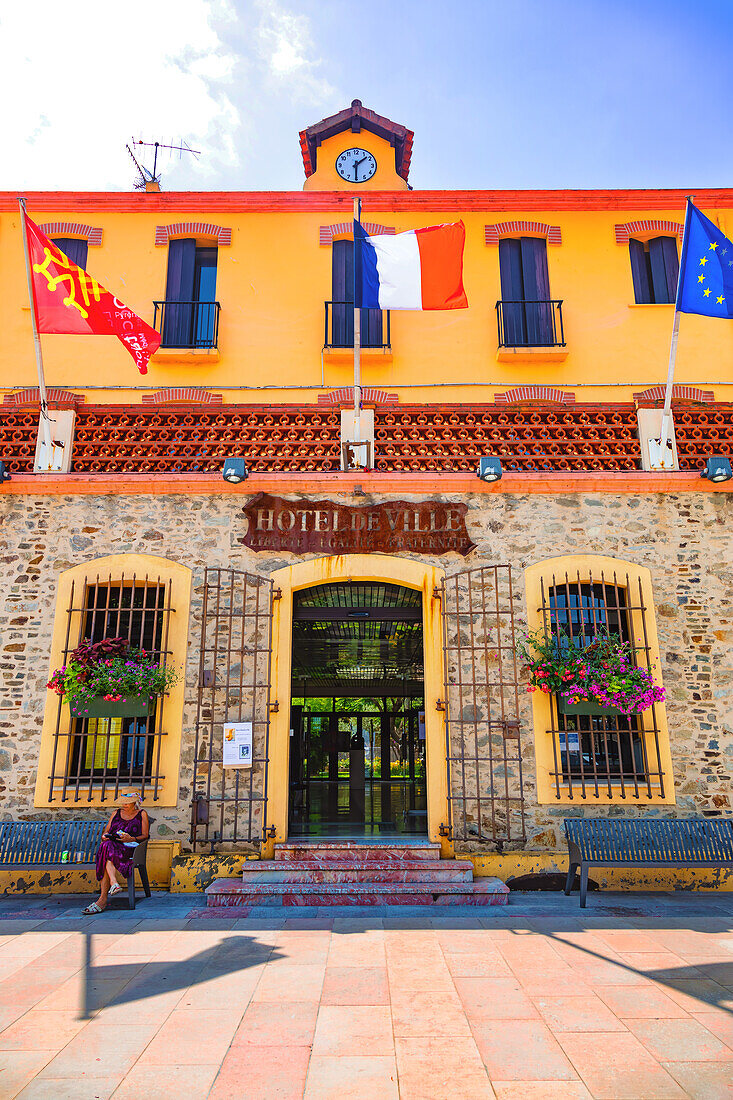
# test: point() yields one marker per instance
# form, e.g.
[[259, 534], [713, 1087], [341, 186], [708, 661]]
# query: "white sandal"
[[95, 907], [114, 890]]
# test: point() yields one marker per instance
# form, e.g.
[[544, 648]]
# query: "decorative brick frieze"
[[343, 397], [58, 398], [655, 394], [218, 233], [494, 233], [647, 227], [327, 234], [92, 234]]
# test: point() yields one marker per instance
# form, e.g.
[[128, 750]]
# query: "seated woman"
[[128, 824]]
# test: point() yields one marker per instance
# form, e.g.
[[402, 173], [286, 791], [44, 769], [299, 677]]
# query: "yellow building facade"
[[362, 619]]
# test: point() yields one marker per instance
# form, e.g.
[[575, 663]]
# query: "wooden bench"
[[645, 842], [43, 844]]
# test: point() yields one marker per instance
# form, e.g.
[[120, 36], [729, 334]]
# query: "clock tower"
[[356, 150]]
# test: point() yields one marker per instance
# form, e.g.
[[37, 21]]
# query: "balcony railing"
[[339, 326], [530, 324], [187, 324]]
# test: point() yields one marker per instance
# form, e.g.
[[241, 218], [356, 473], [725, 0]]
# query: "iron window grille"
[[339, 326], [187, 324], [530, 324], [100, 756], [602, 754]]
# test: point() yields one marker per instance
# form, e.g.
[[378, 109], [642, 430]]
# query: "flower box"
[[133, 706], [585, 706]]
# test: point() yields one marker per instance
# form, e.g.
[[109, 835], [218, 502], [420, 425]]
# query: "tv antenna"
[[145, 175]]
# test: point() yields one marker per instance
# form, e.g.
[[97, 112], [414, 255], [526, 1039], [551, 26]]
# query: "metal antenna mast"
[[145, 175]]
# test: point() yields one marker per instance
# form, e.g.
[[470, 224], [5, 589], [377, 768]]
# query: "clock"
[[356, 165]]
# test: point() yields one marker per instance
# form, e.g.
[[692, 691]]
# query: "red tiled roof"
[[354, 118]]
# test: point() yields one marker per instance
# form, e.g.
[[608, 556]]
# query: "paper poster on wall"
[[569, 742], [237, 745], [421, 725]]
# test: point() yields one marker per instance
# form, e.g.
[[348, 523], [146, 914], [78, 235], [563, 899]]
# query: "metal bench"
[[43, 844], [646, 842]]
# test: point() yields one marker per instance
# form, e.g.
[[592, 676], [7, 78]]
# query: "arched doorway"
[[357, 742]]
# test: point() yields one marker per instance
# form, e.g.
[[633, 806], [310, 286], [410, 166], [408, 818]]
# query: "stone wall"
[[685, 540]]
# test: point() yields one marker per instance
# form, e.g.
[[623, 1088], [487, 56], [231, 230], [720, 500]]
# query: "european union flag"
[[706, 268]]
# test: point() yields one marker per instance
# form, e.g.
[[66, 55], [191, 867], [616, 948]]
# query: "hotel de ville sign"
[[324, 527]]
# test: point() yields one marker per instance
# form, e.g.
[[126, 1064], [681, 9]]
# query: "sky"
[[500, 93]]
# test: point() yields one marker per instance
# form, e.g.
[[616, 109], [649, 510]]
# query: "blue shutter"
[[342, 290], [640, 273], [74, 248], [512, 292], [536, 290], [664, 267], [178, 324]]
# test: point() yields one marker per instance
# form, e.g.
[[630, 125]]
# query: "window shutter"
[[74, 248], [177, 327], [512, 291], [642, 287], [342, 293], [536, 289], [665, 267]]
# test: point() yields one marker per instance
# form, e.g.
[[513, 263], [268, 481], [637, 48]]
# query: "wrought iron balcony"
[[530, 324], [187, 324], [339, 326]]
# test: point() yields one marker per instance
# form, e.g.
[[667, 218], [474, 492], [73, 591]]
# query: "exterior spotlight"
[[489, 469], [4, 475], [717, 468], [235, 470]]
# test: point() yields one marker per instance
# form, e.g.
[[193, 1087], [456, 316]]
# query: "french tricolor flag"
[[420, 269]]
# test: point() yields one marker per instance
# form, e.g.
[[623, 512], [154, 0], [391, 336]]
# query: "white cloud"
[[285, 46], [79, 79]]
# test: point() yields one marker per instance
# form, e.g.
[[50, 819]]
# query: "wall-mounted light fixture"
[[4, 475], [489, 469], [235, 470], [717, 468]]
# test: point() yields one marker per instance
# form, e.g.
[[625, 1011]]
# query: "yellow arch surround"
[[116, 565], [357, 567], [584, 565]]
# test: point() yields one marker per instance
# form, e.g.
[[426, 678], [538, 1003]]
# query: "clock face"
[[356, 165]]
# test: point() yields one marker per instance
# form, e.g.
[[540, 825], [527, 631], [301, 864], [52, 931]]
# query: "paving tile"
[[543, 981], [292, 1023], [430, 975], [641, 1003], [77, 993], [217, 989], [680, 1041], [616, 1066], [354, 1077], [428, 1014], [191, 1037], [720, 1023], [522, 1050], [693, 995], [19, 1067], [441, 1069], [101, 1050], [146, 1082], [476, 964], [269, 1073], [703, 1080], [290, 982], [342, 1029], [41, 1029], [65, 1088], [541, 1090], [494, 999], [587, 1013], [355, 985]]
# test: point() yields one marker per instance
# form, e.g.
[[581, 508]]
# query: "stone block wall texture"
[[685, 539]]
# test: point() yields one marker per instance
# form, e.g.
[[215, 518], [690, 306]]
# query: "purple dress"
[[115, 849]]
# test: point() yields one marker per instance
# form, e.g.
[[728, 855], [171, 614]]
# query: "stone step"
[[360, 851], [332, 870], [232, 892]]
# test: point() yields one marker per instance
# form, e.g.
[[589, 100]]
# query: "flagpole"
[[664, 430], [45, 422], [357, 336]]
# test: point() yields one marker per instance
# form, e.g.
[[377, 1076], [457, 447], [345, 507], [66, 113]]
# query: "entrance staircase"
[[328, 873]]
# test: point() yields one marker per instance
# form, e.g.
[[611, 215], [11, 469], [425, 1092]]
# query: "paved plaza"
[[631, 998]]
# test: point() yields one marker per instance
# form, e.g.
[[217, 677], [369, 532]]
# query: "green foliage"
[[111, 670]]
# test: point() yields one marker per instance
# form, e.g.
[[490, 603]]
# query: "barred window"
[[102, 755], [609, 754]]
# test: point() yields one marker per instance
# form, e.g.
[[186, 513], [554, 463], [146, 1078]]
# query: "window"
[[342, 305], [146, 600], [598, 757], [526, 309], [73, 247], [654, 269], [190, 311]]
